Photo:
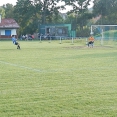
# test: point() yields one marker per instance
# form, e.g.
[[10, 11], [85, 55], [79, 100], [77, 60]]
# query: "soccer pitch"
[[57, 80]]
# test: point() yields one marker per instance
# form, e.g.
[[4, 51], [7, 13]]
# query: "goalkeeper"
[[91, 41]]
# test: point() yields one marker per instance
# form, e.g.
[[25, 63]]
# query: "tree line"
[[29, 14]]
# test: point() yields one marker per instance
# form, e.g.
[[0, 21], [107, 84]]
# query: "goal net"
[[105, 34]]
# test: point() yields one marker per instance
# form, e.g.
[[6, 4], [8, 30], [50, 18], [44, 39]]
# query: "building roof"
[[8, 23]]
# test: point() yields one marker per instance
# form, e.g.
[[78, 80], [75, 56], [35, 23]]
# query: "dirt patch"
[[85, 47]]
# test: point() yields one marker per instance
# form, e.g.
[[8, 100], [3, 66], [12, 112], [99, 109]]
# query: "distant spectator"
[[26, 37], [48, 36], [23, 37], [33, 37], [29, 37], [38, 35]]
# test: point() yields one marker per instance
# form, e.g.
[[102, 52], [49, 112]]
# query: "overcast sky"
[[14, 3], [10, 1], [7, 1]]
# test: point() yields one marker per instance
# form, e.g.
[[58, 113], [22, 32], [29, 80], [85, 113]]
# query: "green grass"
[[57, 80]]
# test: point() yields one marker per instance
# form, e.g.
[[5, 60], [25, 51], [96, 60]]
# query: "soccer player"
[[91, 41], [14, 40]]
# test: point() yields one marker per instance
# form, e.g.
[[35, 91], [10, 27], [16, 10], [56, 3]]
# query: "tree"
[[2, 11], [26, 15], [80, 8], [107, 9], [48, 9], [30, 13], [9, 9]]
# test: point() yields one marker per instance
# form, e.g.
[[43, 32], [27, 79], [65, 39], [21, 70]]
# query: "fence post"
[[40, 39], [60, 40], [50, 39], [72, 40]]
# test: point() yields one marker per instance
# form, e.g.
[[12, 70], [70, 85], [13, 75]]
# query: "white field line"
[[56, 70], [24, 67]]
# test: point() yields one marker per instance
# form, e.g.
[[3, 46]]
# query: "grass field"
[[57, 80]]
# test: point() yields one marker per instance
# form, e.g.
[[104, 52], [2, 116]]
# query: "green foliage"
[[107, 9], [30, 14], [9, 9], [2, 11], [100, 7], [25, 15], [82, 15], [49, 9], [83, 33]]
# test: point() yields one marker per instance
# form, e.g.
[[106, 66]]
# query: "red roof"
[[8, 23]]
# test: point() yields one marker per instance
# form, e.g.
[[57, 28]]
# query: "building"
[[57, 30], [8, 27]]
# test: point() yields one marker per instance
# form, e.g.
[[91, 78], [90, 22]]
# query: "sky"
[[13, 2], [7, 1]]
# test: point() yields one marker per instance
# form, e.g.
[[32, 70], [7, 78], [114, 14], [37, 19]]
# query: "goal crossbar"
[[101, 30]]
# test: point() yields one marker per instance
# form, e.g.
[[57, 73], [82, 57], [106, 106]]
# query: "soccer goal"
[[105, 34]]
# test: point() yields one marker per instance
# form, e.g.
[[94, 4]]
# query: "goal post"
[[104, 33]]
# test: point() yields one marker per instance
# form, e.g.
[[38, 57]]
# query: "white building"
[[8, 27]]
